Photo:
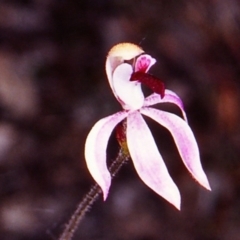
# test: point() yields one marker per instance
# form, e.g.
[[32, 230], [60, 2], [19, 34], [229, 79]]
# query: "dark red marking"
[[155, 84], [121, 132], [121, 136]]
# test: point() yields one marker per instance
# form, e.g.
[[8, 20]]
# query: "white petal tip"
[[178, 207], [207, 186], [105, 191], [177, 203], [203, 181], [174, 198], [105, 196]]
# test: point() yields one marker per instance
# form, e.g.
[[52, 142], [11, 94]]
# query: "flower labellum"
[[127, 68], [152, 82]]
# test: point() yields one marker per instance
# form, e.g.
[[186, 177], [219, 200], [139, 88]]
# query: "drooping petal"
[[148, 161], [170, 97], [184, 139], [129, 94], [95, 149], [143, 63]]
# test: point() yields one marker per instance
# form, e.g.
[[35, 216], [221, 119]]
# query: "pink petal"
[[184, 139], [129, 94], [144, 62], [170, 97], [95, 149], [148, 161]]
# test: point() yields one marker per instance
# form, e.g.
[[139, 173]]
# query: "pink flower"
[[127, 66]]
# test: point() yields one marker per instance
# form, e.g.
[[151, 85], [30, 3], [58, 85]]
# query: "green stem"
[[89, 199]]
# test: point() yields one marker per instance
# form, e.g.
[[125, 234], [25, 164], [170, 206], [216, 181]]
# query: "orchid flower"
[[126, 67]]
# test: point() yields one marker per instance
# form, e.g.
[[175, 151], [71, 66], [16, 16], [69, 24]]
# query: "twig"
[[90, 198]]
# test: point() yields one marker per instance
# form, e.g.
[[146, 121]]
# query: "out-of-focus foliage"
[[53, 88]]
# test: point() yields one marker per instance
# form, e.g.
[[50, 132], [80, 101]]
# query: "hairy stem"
[[90, 198]]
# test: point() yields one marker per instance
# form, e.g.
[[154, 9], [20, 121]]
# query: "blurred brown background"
[[53, 89]]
